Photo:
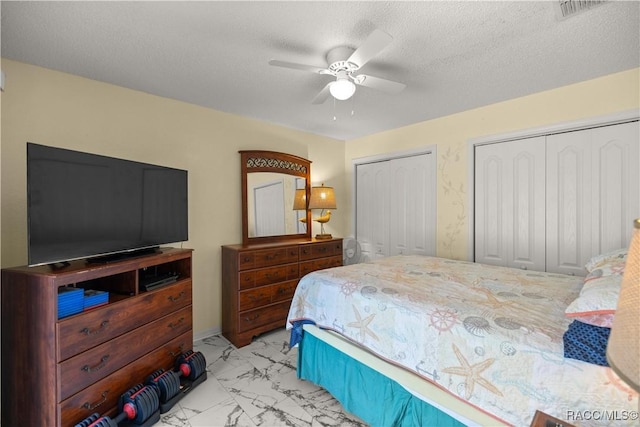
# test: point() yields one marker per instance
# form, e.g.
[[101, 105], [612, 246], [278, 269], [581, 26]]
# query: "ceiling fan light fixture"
[[342, 88]]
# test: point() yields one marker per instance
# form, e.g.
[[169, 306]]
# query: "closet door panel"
[[569, 202], [372, 209], [509, 204], [399, 209], [491, 232], [616, 155], [528, 222], [412, 206]]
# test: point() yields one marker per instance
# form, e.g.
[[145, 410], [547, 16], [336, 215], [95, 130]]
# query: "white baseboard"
[[206, 334]]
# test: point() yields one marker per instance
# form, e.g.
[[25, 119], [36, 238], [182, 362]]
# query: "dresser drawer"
[[284, 291], [320, 250], [103, 395], [254, 298], [267, 276], [87, 330], [255, 318], [267, 257], [320, 264], [264, 295], [86, 368]]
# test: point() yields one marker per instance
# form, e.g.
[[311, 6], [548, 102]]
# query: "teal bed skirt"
[[362, 391]]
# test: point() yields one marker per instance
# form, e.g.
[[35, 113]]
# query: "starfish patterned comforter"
[[489, 335]]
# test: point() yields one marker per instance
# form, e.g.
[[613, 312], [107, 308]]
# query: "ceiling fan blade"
[[323, 95], [379, 83], [295, 66], [373, 45]]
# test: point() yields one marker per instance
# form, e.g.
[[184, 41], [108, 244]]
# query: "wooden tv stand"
[[57, 372]]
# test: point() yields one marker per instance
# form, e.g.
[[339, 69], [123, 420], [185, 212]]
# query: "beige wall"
[[598, 97], [58, 109]]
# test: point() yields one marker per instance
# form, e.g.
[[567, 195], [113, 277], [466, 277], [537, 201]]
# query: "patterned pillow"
[[599, 295], [608, 263], [586, 342]]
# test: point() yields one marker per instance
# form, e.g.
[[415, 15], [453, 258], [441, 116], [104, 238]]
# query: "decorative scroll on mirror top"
[[261, 162], [270, 181]]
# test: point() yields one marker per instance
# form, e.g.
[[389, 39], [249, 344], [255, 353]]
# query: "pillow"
[[602, 320], [599, 295], [609, 262], [586, 342]]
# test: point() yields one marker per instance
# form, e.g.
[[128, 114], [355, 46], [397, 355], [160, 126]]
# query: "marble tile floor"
[[255, 386]]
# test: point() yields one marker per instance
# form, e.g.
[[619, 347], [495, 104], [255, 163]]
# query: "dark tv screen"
[[82, 205]]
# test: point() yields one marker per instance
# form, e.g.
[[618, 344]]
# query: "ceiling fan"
[[344, 62]]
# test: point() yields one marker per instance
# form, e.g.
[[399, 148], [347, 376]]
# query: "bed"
[[416, 340]]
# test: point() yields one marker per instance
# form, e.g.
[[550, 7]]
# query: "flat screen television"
[[82, 205]]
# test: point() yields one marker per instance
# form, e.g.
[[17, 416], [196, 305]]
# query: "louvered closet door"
[[592, 194], [372, 209], [412, 210], [396, 206], [510, 204], [269, 209]]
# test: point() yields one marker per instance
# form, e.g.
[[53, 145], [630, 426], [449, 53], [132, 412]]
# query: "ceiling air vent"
[[568, 8]]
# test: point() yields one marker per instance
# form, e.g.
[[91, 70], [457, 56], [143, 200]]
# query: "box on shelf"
[[94, 298], [70, 301]]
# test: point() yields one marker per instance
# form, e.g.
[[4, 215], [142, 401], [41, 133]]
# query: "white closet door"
[[510, 204], [412, 208], [269, 209], [569, 201], [592, 194], [372, 209], [616, 156]]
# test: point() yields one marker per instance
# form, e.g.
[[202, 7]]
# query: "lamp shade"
[[623, 349], [300, 200], [322, 198]]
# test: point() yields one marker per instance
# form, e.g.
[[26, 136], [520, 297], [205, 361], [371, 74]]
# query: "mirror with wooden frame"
[[275, 190]]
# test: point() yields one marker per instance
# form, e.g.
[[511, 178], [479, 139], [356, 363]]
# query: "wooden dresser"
[[258, 282], [56, 372]]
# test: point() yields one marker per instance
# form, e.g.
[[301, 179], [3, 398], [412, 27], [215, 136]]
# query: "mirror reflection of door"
[[300, 214], [269, 209]]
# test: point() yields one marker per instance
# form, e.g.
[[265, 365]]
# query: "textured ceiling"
[[453, 56]]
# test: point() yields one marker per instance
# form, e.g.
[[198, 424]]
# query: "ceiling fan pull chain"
[[334, 110]]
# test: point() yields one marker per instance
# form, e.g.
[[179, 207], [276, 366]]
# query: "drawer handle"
[[323, 249], [176, 353], [274, 275], [91, 406], [102, 364], [178, 323], [251, 319], [272, 256], [176, 299], [247, 259], [281, 291], [102, 327]]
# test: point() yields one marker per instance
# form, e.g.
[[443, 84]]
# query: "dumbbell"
[[167, 386], [139, 406], [192, 366]]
